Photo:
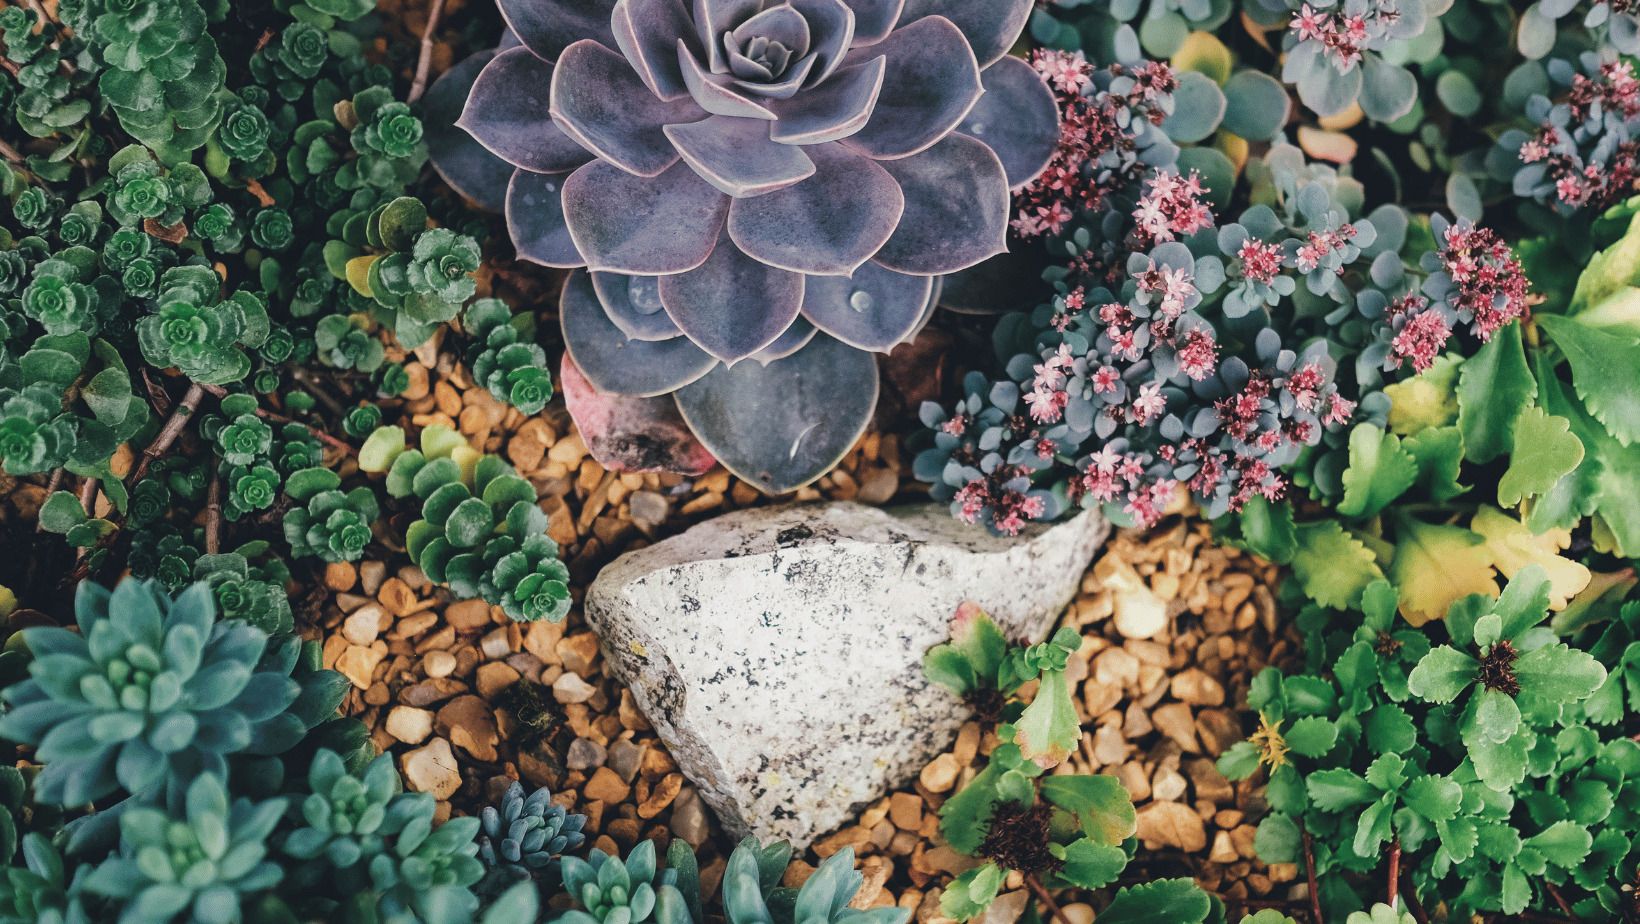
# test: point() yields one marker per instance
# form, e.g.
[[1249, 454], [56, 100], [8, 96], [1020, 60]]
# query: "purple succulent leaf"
[[873, 310], [549, 27], [632, 434], [956, 208], [633, 303], [647, 32], [1018, 117], [991, 26], [732, 306], [1006, 282], [616, 364], [716, 93], [509, 38], [795, 338], [784, 88], [599, 100], [931, 83], [833, 110], [508, 111], [777, 24], [737, 157], [874, 19], [715, 17], [832, 23], [644, 226], [783, 425], [535, 220], [830, 223], [464, 164]]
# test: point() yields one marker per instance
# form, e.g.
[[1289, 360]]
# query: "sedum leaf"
[[1048, 730], [1442, 674], [1333, 566], [1603, 360], [1545, 451], [1101, 805], [1380, 471], [1311, 736], [1514, 548], [1435, 566], [1494, 387]]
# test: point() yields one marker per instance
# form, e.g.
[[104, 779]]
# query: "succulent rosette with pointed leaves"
[[755, 194]]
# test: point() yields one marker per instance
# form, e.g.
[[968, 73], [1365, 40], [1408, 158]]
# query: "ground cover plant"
[[1359, 282]]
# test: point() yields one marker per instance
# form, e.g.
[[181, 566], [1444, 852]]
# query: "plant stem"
[[265, 414], [424, 61], [51, 488], [173, 429], [1413, 905], [1309, 876], [1042, 893], [213, 514], [88, 498], [318, 391], [1559, 898], [1395, 874]]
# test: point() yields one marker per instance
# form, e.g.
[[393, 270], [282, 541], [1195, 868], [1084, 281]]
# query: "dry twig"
[[425, 60]]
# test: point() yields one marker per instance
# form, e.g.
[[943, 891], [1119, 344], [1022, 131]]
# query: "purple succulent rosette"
[[755, 195]]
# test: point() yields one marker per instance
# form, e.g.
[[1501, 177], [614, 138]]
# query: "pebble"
[[363, 625], [438, 663], [648, 509], [1172, 824], [578, 651], [570, 688], [467, 615], [409, 724], [358, 664], [1139, 614], [432, 769], [689, 818], [661, 796], [1195, 687], [494, 677], [939, 774], [606, 786], [585, 754], [624, 758]]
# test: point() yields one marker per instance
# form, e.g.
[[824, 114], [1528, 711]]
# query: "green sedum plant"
[[152, 691], [503, 357], [331, 525], [480, 530]]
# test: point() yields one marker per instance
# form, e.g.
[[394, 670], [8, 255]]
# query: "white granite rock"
[[778, 651]]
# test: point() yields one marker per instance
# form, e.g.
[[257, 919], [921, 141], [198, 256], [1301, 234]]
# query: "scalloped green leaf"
[[1603, 361]]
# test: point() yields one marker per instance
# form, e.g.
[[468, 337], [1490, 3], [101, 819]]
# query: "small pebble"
[[584, 754]]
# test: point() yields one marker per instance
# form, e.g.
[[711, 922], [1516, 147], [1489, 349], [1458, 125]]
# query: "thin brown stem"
[[213, 514], [1395, 874], [1413, 904], [278, 418], [1309, 878], [39, 11], [424, 61], [173, 429], [1560, 899], [1046, 898], [317, 389], [51, 488], [88, 500]]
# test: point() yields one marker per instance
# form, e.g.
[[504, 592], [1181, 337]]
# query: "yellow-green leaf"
[[1333, 566], [1437, 565], [1514, 547], [1545, 451]]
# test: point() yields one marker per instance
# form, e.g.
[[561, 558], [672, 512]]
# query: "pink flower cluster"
[[1420, 335], [1170, 208], [1001, 494], [1313, 252], [1344, 36], [1260, 261], [1096, 139], [1614, 90], [1490, 285]]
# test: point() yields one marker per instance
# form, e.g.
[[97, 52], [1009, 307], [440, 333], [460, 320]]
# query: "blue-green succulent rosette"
[[755, 195]]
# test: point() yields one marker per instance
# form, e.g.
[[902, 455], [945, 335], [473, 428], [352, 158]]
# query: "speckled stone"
[[778, 651]]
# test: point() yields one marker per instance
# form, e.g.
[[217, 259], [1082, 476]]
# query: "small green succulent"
[[59, 300], [344, 344], [481, 530], [34, 435], [198, 333], [1381, 914], [250, 488], [331, 525], [42, 891], [199, 861], [753, 873], [429, 872], [347, 818], [251, 594], [241, 437], [524, 836], [512, 368], [152, 690], [608, 890]]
